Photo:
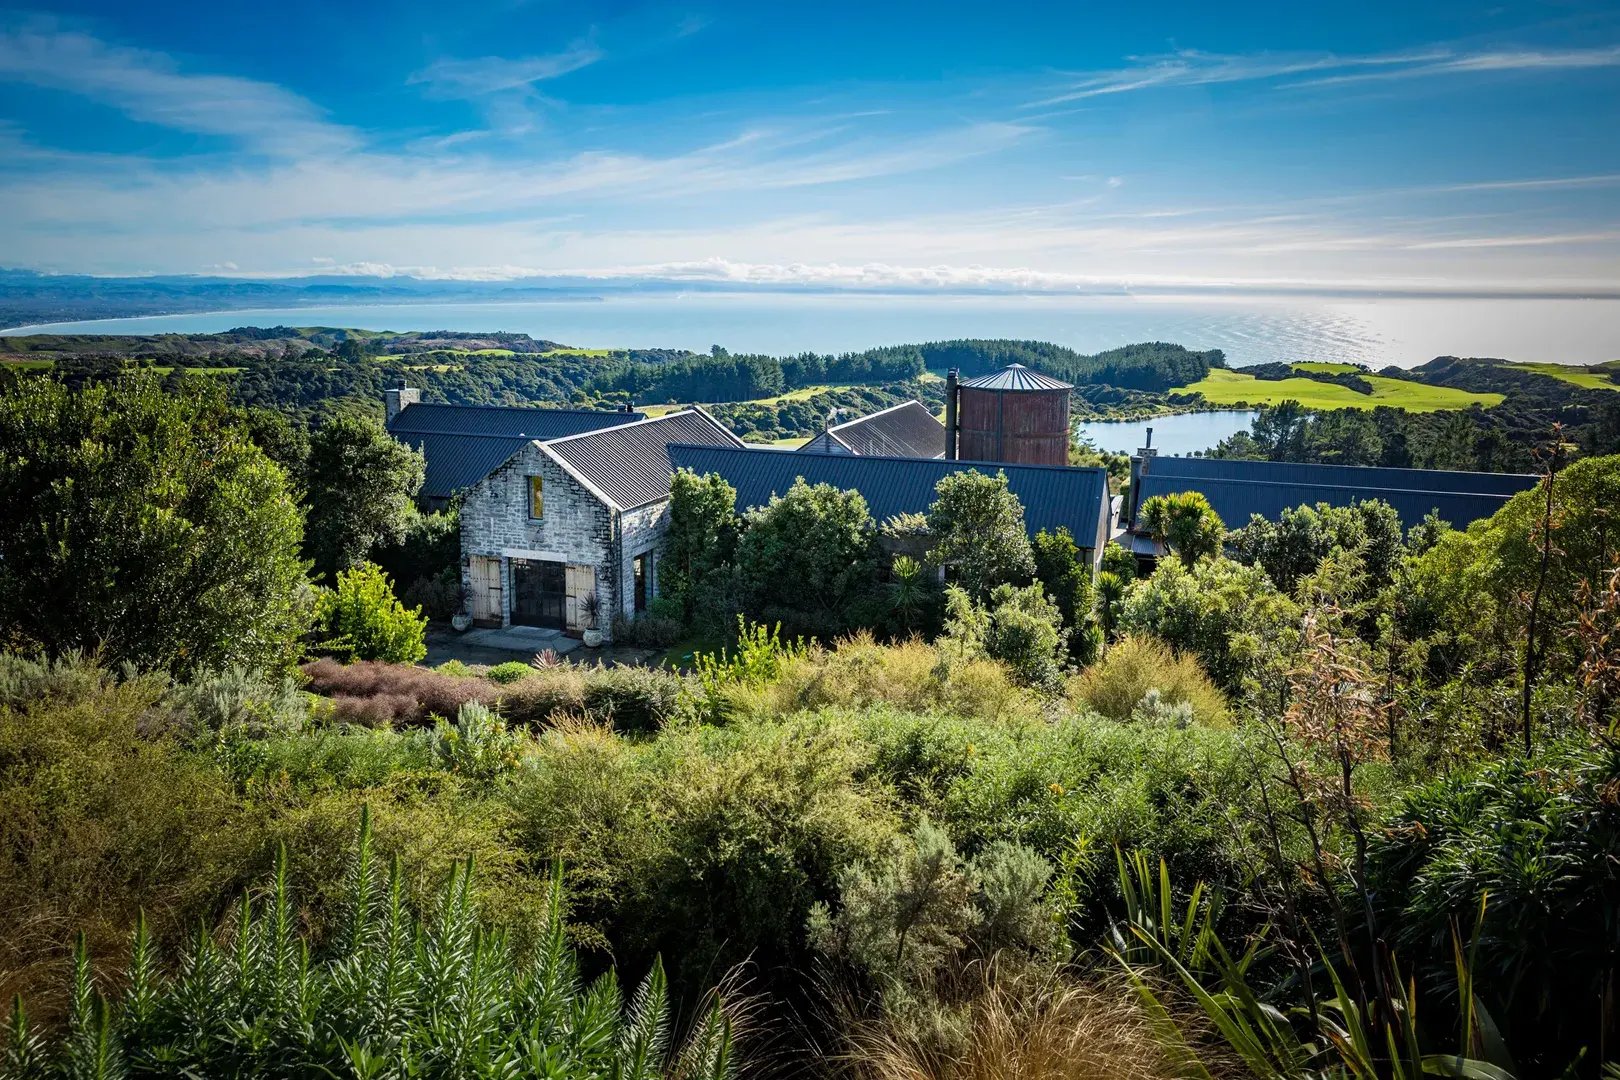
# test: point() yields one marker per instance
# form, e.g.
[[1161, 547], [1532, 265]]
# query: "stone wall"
[[576, 527]]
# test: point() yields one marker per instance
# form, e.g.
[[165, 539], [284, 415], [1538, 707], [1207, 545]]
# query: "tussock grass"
[[1133, 667], [911, 676], [1037, 1028]]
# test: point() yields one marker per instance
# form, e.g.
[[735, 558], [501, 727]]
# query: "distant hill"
[[28, 298], [313, 370]]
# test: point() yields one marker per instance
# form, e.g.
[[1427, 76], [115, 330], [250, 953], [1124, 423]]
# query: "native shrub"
[[632, 698], [362, 618], [509, 672], [373, 692], [1134, 667]]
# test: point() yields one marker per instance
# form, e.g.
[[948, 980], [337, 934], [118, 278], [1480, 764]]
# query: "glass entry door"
[[539, 592]]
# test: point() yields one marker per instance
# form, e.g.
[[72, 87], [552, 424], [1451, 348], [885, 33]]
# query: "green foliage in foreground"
[[392, 995]]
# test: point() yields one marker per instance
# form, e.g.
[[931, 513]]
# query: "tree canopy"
[[144, 524], [361, 483], [977, 526]]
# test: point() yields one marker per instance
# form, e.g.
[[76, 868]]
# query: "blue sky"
[[1382, 146]]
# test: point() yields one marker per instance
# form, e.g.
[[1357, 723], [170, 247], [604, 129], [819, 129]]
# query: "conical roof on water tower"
[[1016, 377], [1015, 415]]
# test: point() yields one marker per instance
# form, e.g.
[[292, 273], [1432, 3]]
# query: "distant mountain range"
[[28, 298]]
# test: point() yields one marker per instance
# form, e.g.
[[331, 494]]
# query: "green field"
[[801, 394], [28, 365], [1324, 367], [1586, 378], [598, 353], [1224, 387]]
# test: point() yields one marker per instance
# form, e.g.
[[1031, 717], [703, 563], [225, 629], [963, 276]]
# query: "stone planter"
[[460, 622], [593, 638]]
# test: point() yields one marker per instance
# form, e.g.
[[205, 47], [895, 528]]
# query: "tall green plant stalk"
[[1551, 459], [392, 996]]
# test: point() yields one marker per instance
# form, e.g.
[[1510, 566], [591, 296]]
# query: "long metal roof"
[[529, 423], [1358, 476], [1236, 500], [1052, 495], [904, 430], [465, 443], [629, 464], [1015, 377]]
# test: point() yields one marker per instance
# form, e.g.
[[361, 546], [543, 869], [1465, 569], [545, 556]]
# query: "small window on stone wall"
[[537, 497]]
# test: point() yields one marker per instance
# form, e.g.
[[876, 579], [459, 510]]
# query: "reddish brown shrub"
[[375, 693]]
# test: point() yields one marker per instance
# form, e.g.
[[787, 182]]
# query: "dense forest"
[[315, 372], [1154, 366], [1503, 438]]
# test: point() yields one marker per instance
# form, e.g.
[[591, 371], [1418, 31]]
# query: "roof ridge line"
[[898, 457]]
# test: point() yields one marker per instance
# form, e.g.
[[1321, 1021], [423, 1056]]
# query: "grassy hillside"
[[1222, 387], [1587, 378]]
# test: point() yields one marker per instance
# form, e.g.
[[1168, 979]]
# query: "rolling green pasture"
[[1223, 387], [1324, 367], [1585, 378]]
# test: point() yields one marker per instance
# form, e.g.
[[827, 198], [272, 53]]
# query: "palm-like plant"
[[1186, 523], [1337, 1036], [393, 995]]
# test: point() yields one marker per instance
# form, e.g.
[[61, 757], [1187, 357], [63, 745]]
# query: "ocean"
[[1379, 332]]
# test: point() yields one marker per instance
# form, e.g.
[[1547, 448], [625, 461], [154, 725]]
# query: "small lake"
[[1180, 434]]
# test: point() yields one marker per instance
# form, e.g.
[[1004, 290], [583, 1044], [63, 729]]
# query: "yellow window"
[[537, 497]]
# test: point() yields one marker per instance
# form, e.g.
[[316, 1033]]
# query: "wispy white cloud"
[[1194, 68], [1484, 62], [475, 78], [150, 87]]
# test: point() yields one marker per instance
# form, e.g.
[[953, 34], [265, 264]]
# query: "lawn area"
[[560, 352], [1324, 367], [28, 365], [1588, 378], [1223, 387], [801, 394]]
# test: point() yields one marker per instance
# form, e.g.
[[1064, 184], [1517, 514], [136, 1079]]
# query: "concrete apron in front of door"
[[529, 639]]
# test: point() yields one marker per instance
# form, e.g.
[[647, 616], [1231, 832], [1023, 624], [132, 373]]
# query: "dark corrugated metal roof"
[[904, 430], [1237, 500], [1052, 495], [1016, 377], [457, 462], [465, 443], [630, 463], [506, 420], [1289, 472]]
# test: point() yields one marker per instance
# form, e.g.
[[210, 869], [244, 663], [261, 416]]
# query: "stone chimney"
[[395, 400], [1141, 462]]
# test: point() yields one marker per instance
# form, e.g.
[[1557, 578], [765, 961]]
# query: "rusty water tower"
[[1013, 415]]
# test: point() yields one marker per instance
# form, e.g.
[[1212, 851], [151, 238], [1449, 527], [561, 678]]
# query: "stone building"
[[564, 533]]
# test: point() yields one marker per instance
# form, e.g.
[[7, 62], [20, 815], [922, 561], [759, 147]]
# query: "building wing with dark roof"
[[1238, 489], [628, 465], [905, 430], [1053, 496], [464, 443]]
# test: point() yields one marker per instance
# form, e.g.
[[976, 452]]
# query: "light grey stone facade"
[[603, 515], [577, 528]]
